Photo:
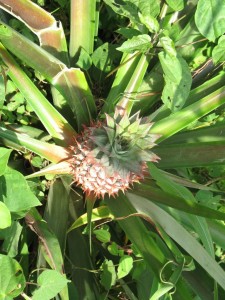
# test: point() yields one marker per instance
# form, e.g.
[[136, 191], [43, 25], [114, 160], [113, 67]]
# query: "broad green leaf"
[[98, 213], [12, 280], [12, 242], [140, 43], [207, 198], [178, 80], [126, 9], [209, 18], [16, 194], [84, 60], [148, 8], [181, 236], [102, 235], [218, 53], [131, 8], [4, 157], [102, 57], [50, 284], [5, 217], [150, 22], [125, 266], [176, 5], [114, 249], [108, 275]]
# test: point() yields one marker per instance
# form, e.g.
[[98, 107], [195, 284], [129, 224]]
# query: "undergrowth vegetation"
[[112, 157]]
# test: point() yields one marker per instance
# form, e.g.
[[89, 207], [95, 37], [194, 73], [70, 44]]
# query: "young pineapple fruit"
[[109, 156]]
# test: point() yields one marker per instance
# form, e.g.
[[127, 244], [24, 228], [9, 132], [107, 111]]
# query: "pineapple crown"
[[123, 143]]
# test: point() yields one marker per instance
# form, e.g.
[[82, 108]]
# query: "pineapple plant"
[[96, 122], [110, 156]]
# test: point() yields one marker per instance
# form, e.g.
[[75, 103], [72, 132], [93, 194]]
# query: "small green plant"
[[112, 133]]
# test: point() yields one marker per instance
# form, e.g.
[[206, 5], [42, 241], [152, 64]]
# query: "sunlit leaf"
[[218, 53], [16, 194], [125, 265], [98, 213], [209, 18], [12, 280], [138, 43], [4, 157], [176, 4], [108, 275], [177, 80], [5, 217], [50, 283], [102, 235]]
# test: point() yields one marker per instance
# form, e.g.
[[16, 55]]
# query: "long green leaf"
[[159, 196], [216, 228], [184, 117], [71, 83], [137, 232], [129, 63], [129, 94], [49, 151], [49, 245], [191, 155], [83, 13], [55, 124], [180, 235], [42, 23], [169, 186], [211, 133]]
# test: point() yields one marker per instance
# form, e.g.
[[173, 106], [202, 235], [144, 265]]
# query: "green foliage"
[[209, 18], [12, 278], [218, 51], [140, 43], [5, 217], [164, 239], [50, 283], [177, 76], [13, 184]]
